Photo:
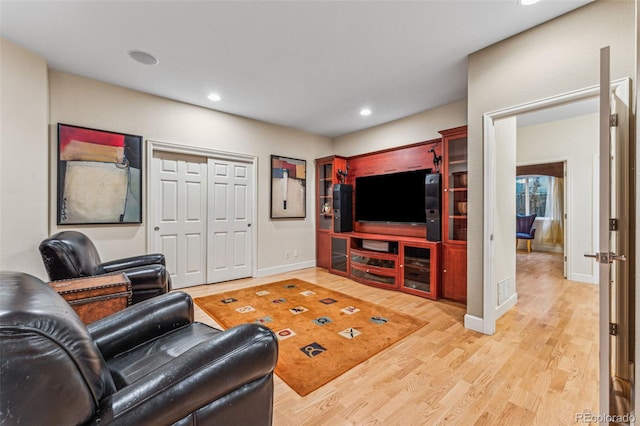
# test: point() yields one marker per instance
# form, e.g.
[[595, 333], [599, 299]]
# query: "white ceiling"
[[309, 65]]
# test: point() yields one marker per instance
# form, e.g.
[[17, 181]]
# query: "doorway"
[[201, 204], [557, 147], [615, 313], [541, 193], [498, 228]]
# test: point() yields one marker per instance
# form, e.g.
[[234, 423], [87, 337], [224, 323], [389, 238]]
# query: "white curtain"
[[552, 228]]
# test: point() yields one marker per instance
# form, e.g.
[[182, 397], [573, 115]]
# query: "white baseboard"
[[474, 323], [584, 278], [508, 304], [285, 268]]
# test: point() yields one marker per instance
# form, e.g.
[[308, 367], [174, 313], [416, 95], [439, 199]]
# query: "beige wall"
[[23, 158], [557, 57], [415, 128], [89, 103], [35, 100], [505, 211]]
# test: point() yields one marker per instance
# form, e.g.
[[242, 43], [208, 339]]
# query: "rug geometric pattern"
[[321, 333]]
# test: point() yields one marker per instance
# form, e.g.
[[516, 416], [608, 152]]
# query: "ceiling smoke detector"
[[143, 57]]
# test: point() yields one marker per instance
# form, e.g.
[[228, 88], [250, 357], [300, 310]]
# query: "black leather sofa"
[[149, 364], [71, 254]]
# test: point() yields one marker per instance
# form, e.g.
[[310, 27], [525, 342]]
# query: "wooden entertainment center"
[[394, 255]]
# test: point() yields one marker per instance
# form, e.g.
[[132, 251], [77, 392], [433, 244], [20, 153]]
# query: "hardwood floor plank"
[[539, 368]]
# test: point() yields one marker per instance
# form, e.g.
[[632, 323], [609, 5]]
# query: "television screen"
[[394, 197]]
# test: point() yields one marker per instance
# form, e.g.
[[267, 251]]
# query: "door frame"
[[487, 324], [158, 146], [565, 196]]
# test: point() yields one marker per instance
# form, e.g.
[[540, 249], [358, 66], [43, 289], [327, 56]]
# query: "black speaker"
[[342, 210], [432, 193]]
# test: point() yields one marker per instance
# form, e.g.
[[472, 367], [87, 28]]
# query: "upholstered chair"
[[525, 229], [72, 254], [149, 364]]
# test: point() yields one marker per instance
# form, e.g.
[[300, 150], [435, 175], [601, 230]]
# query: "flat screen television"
[[391, 198]]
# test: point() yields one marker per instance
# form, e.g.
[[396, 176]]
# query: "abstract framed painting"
[[288, 188], [99, 176]]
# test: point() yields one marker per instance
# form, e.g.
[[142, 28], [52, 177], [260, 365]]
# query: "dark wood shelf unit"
[[326, 176], [454, 214], [406, 260], [410, 264]]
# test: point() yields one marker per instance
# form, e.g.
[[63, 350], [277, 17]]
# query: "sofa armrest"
[[201, 375], [141, 322], [134, 261]]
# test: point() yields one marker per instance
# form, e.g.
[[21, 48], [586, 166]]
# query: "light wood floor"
[[540, 368]]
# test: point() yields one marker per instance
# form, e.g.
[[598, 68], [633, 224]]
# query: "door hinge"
[[613, 120], [613, 329], [613, 224]]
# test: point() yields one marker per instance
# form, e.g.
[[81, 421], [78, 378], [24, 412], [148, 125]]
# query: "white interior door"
[[565, 243], [616, 357], [179, 215], [230, 248]]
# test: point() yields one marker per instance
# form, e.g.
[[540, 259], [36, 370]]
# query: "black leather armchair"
[[71, 254], [148, 364]]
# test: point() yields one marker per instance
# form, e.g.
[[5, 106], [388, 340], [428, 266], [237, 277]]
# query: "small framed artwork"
[[99, 176], [288, 187]]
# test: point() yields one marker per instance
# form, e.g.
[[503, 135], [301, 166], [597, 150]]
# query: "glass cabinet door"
[[417, 268], [339, 255], [419, 264], [456, 189], [325, 214]]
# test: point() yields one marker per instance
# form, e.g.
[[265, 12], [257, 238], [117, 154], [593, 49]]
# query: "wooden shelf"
[[454, 162]]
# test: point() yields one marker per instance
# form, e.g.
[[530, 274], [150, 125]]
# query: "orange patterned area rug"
[[321, 333]]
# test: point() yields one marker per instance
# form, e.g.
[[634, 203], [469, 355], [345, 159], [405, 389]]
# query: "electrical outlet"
[[286, 254], [295, 252]]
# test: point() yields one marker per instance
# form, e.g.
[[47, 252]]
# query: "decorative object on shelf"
[[326, 208], [460, 180], [99, 176], [288, 188], [342, 175], [437, 159], [462, 207], [321, 333]]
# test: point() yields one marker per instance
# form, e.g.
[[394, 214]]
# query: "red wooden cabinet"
[[454, 214], [326, 176], [454, 272], [410, 263]]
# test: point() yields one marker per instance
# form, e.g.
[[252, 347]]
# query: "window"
[[532, 195]]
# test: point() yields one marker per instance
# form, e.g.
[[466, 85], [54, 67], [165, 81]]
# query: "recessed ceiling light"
[[365, 112], [143, 57], [214, 97], [528, 2]]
